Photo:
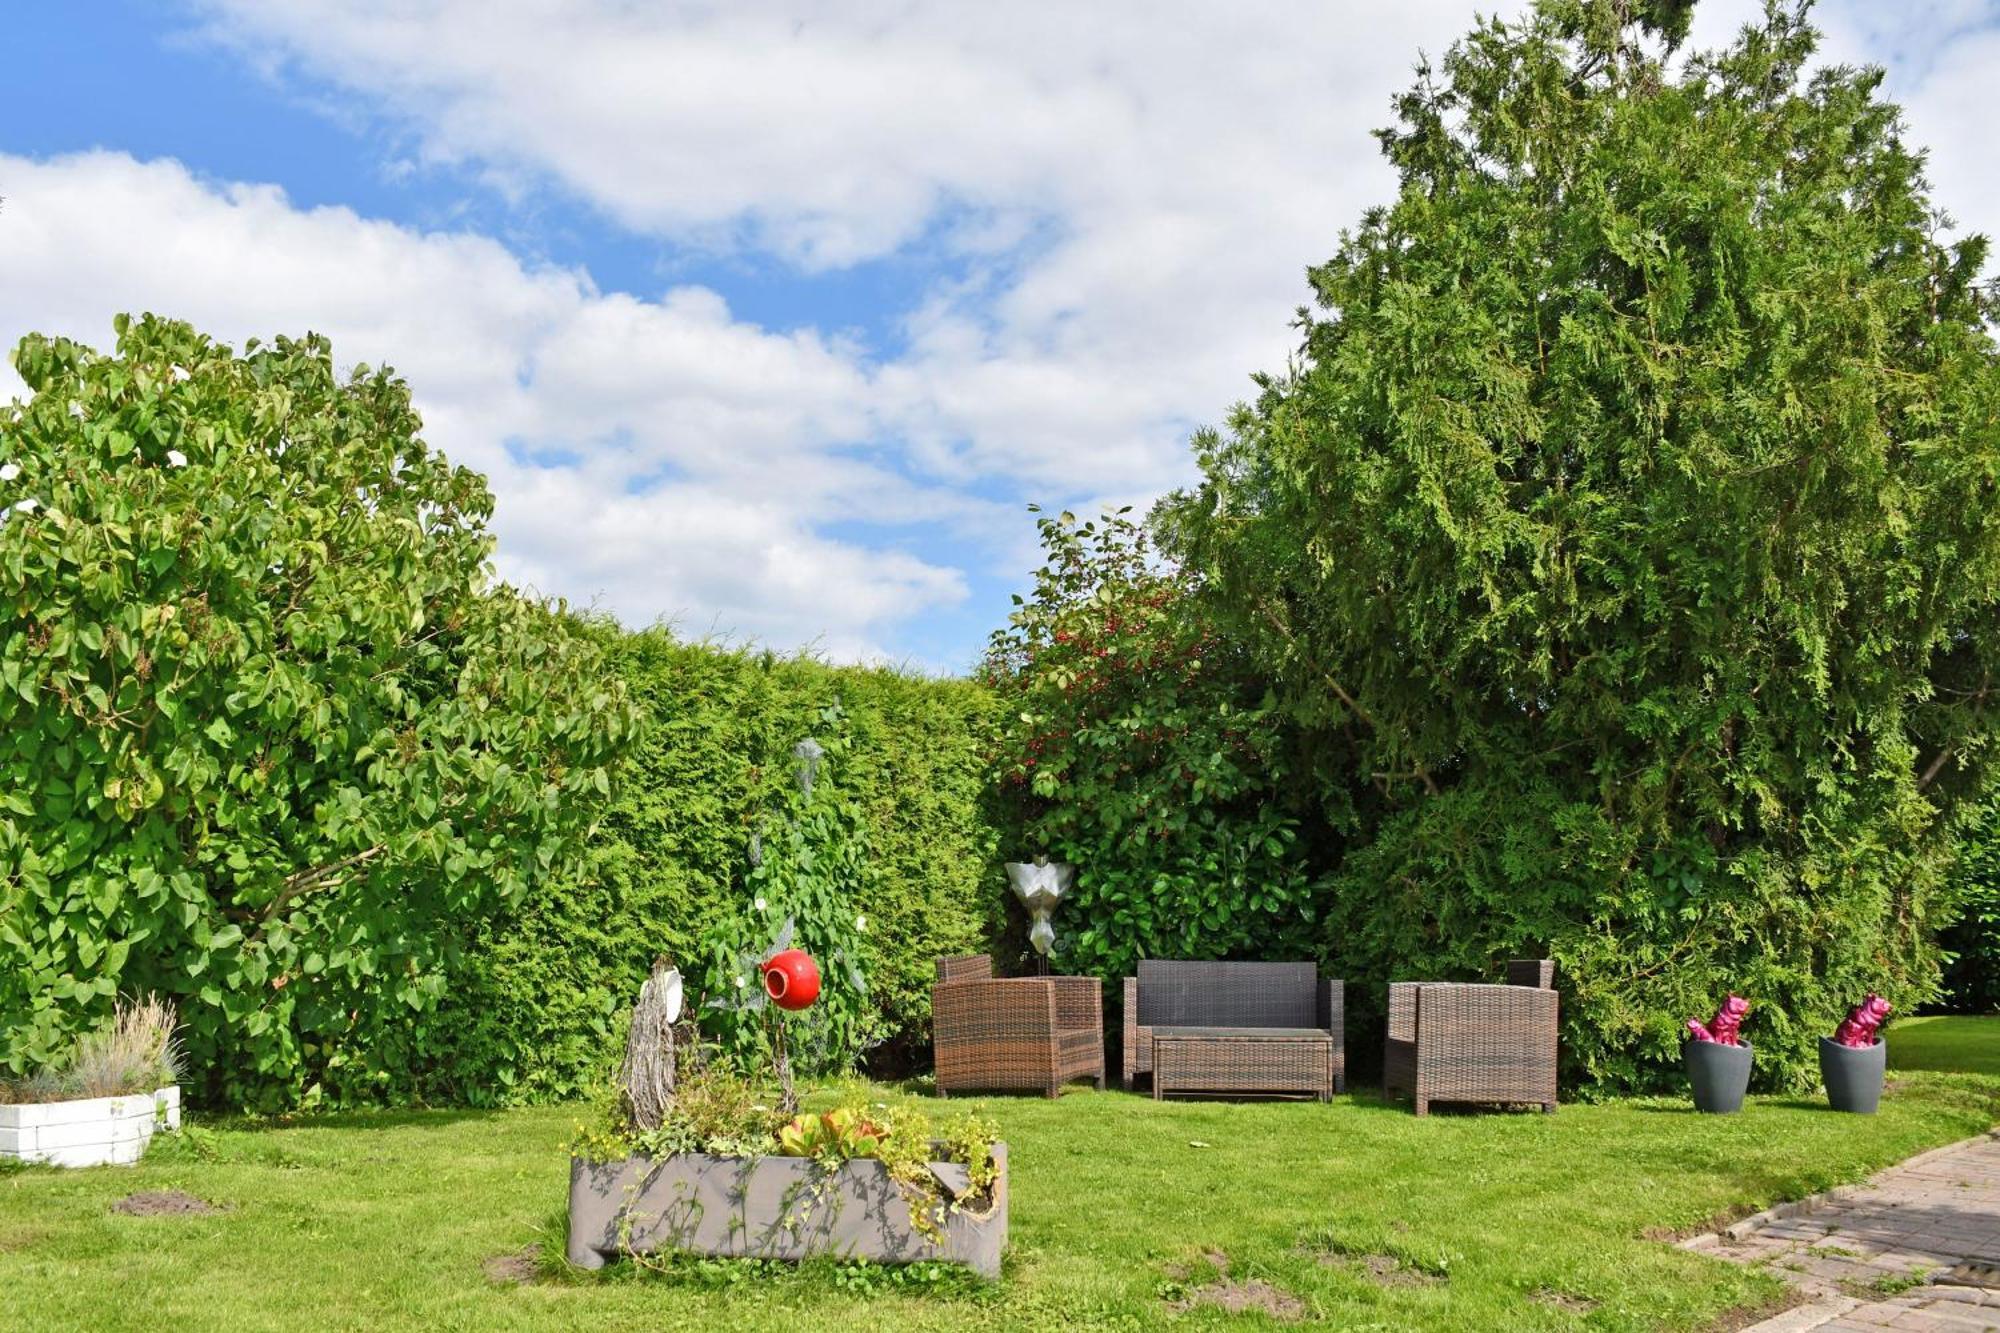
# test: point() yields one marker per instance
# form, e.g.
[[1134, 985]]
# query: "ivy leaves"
[[805, 887]]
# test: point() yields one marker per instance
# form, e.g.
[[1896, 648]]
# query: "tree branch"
[[1332, 684], [305, 881], [1930, 774]]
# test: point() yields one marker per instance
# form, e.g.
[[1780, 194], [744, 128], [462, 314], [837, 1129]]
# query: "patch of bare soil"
[[1231, 1295], [1234, 1297], [1386, 1270], [516, 1268], [1566, 1301], [162, 1203], [1745, 1316]]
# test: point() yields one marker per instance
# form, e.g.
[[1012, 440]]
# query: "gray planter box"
[[1719, 1074], [770, 1208], [1853, 1075]]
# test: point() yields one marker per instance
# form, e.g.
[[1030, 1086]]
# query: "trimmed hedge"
[[536, 1004]]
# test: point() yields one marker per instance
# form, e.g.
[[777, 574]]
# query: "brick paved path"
[[1916, 1247]]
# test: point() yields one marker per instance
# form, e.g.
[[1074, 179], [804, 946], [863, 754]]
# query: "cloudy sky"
[[768, 319]]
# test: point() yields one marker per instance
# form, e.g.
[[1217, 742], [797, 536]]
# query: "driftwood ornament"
[[648, 1074]]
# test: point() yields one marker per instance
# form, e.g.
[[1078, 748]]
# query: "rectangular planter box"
[[98, 1131], [769, 1208]]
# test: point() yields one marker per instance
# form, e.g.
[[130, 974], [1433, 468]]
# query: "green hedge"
[[1972, 944], [536, 1003]]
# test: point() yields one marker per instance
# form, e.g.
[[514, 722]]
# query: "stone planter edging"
[[769, 1208]]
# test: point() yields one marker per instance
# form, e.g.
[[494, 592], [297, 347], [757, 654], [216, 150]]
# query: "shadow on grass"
[[404, 1118], [1751, 1105]]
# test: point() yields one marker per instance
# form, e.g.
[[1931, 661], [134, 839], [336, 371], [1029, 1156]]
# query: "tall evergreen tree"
[[1626, 526]]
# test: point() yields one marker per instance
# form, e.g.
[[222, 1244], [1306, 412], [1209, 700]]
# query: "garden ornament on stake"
[[1040, 885], [808, 752], [791, 981]]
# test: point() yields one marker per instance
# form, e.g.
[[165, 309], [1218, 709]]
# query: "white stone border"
[[96, 1131]]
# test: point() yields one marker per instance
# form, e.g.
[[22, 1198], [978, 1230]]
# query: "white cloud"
[[1173, 169], [1175, 166], [1122, 199], [746, 427]]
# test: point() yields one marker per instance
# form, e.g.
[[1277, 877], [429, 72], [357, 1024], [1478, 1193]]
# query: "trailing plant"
[[805, 889], [1624, 530], [1140, 744], [268, 734]]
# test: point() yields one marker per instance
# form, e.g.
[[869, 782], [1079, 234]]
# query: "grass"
[[1357, 1214], [1959, 1042]]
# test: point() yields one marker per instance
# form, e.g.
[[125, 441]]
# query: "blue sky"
[[768, 319]]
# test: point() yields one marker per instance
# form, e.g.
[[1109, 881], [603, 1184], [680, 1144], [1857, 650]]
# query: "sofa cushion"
[[1222, 994]]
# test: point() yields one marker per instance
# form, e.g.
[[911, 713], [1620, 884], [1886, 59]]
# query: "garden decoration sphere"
[[791, 979]]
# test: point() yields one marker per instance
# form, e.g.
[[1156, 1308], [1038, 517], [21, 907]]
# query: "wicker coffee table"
[[1279, 1061]]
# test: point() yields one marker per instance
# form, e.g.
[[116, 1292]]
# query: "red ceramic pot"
[[791, 979]]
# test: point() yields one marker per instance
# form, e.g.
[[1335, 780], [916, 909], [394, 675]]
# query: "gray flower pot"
[[772, 1208], [1720, 1075], [1853, 1075]]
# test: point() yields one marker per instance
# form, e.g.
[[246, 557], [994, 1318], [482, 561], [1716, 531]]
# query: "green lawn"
[[1474, 1222], [1945, 1041]]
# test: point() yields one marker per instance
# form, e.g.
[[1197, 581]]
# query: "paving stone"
[[1936, 1216]]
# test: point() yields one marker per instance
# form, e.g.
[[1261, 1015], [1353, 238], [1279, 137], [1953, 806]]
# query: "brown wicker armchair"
[[1015, 1033], [1450, 1042]]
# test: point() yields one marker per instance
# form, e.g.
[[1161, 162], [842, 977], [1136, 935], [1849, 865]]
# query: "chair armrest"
[[964, 1011], [1500, 1014], [1403, 1010], [1079, 1002], [1539, 972], [1129, 1047], [1333, 1006]]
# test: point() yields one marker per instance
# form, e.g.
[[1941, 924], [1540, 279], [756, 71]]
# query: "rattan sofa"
[[1013, 1034], [1236, 1027], [1453, 1042]]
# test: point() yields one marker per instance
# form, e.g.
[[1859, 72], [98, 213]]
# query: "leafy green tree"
[[264, 727], [1141, 746], [1626, 527]]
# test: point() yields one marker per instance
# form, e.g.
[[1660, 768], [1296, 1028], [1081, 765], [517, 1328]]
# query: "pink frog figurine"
[[1723, 1028], [1860, 1026]]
